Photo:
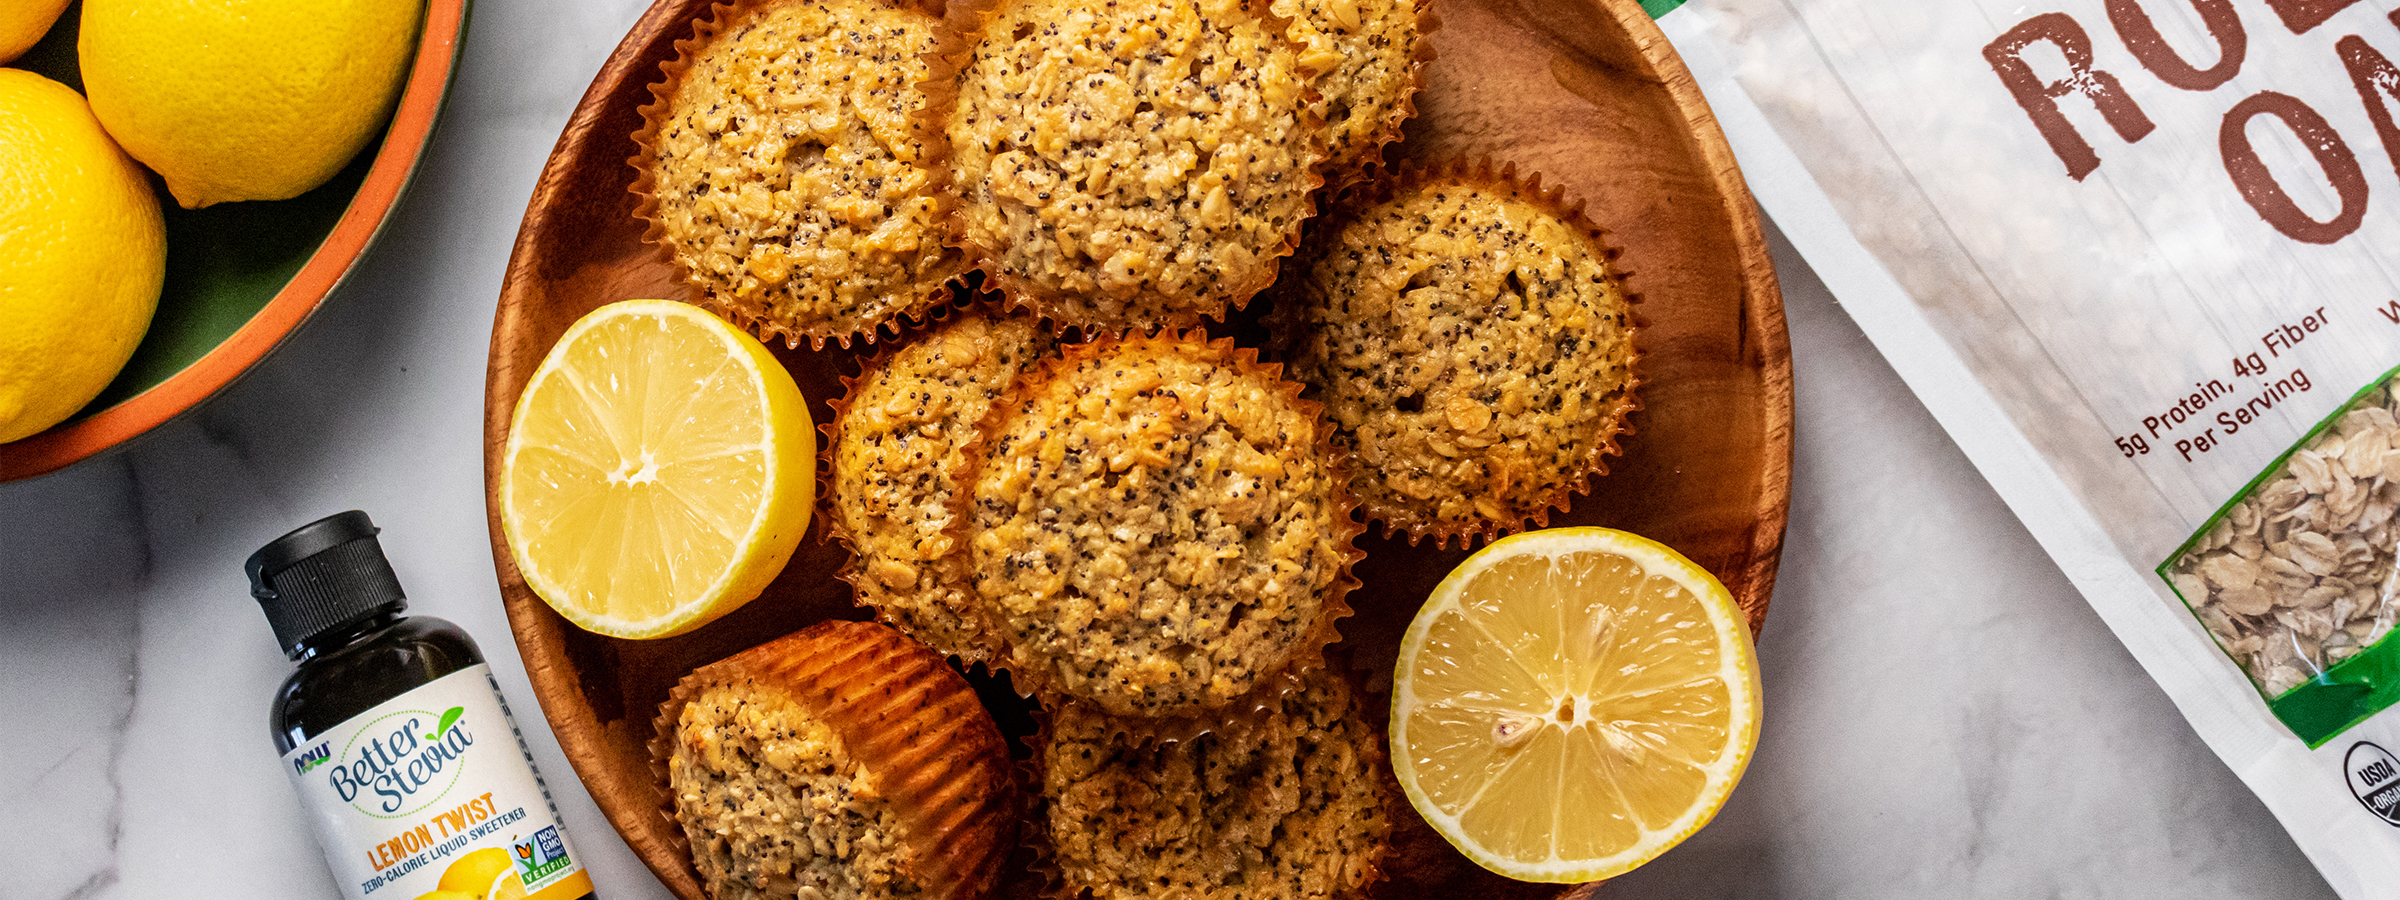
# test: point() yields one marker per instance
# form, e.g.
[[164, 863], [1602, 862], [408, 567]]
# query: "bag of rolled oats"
[[2141, 258]]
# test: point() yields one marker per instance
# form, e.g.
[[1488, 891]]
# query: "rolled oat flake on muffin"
[[1155, 526], [779, 168], [842, 762], [898, 450], [1285, 801], [1473, 346], [1129, 163]]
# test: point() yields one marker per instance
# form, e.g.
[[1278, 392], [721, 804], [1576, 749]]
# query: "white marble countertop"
[[1945, 715]]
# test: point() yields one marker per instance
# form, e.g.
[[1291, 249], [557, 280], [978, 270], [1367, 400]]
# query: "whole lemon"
[[83, 251], [245, 99], [23, 22]]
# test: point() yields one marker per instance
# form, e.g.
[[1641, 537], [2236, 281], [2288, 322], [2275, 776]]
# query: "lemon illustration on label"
[[482, 875]]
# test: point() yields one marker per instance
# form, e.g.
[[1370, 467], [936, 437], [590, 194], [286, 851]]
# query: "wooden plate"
[[1586, 92], [242, 276]]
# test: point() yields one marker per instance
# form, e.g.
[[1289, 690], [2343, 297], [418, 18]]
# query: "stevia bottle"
[[395, 735]]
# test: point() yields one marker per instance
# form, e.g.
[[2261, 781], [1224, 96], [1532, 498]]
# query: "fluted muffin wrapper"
[[829, 432], [933, 287], [902, 714], [1246, 716], [1340, 174], [822, 525], [1488, 174], [851, 572], [963, 27], [1035, 681], [1245, 712]]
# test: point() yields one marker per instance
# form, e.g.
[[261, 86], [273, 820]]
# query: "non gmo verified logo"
[[2374, 777]]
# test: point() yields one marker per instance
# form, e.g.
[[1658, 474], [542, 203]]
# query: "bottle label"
[[434, 791]]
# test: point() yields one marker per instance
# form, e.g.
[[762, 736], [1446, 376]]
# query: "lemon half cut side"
[[1571, 703], [659, 471]]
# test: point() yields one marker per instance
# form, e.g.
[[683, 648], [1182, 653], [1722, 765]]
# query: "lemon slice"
[[479, 874], [1572, 702], [506, 886], [659, 471]]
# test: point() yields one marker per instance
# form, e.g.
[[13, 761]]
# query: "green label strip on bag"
[[1657, 8], [2342, 696]]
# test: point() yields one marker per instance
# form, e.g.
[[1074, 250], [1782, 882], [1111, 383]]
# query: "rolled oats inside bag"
[[2295, 577]]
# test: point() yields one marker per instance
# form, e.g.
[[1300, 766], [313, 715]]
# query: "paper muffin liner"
[[1340, 174], [1485, 173], [821, 526], [1247, 716], [933, 287], [829, 431], [1036, 682], [1247, 711], [962, 31], [851, 571], [901, 713]]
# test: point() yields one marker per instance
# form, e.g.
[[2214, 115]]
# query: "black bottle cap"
[[325, 575]]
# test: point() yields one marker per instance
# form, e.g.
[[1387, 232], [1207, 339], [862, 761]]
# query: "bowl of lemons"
[[181, 184]]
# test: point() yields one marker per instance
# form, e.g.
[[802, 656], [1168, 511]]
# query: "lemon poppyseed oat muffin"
[[897, 448], [842, 762], [1129, 162], [1370, 52], [779, 168], [1155, 526], [1284, 801], [1472, 346]]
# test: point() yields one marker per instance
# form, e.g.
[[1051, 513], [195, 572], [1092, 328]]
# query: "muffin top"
[[898, 451], [766, 792], [780, 763], [782, 168], [1287, 802], [1368, 50], [1155, 526], [1472, 347], [1130, 163]]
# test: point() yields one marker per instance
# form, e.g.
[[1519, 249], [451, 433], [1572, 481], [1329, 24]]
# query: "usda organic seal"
[[2374, 779]]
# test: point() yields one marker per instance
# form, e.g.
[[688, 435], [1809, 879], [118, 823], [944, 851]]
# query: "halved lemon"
[[1572, 702], [660, 469]]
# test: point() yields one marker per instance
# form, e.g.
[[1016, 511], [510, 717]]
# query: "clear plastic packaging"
[[2295, 575]]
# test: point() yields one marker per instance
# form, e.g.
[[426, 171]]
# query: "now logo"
[[316, 756]]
